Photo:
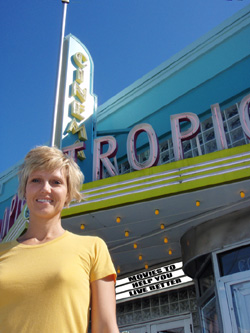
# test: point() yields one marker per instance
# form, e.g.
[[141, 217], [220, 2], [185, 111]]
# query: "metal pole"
[[56, 137]]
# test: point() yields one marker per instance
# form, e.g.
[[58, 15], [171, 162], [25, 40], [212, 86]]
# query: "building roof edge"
[[203, 44]]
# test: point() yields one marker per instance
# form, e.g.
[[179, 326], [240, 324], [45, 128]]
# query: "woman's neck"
[[41, 233]]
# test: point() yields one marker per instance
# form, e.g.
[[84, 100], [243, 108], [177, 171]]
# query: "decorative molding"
[[195, 50]]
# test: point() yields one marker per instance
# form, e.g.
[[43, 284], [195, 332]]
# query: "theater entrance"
[[178, 324]]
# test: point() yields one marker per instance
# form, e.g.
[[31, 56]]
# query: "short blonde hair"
[[49, 159]]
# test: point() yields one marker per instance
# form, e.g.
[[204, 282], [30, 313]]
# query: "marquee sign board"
[[151, 281]]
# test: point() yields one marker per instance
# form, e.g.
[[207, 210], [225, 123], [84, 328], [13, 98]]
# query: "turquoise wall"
[[219, 75], [8, 191]]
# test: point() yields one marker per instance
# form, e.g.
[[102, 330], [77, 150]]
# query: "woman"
[[50, 277]]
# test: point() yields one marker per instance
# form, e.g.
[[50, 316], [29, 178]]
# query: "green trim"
[[18, 227], [189, 162], [141, 185]]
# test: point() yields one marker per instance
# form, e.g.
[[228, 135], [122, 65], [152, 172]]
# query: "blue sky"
[[126, 38]]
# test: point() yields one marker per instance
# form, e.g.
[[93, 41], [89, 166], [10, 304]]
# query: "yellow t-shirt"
[[45, 288]]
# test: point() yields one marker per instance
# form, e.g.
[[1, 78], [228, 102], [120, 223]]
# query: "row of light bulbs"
[[197, 203], [242, 195], [118, 269], [162, 226], [157, 212], [140, 257]]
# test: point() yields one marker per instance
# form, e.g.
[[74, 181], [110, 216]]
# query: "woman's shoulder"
[[91, 240]]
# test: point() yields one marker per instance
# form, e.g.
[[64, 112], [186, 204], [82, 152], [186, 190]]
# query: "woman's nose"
[[46, 187]]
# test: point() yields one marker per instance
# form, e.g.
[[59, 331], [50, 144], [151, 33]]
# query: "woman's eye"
[[57, 182], [35, 180]]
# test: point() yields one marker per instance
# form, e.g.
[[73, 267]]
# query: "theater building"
[[167, 165]]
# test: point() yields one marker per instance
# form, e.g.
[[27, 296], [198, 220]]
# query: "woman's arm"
[[103, 306]]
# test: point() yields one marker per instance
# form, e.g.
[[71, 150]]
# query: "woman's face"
[[46, 193]]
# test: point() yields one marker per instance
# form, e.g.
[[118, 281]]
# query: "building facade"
[[170, 188]]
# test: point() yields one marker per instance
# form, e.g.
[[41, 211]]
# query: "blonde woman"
[[49, 277]]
